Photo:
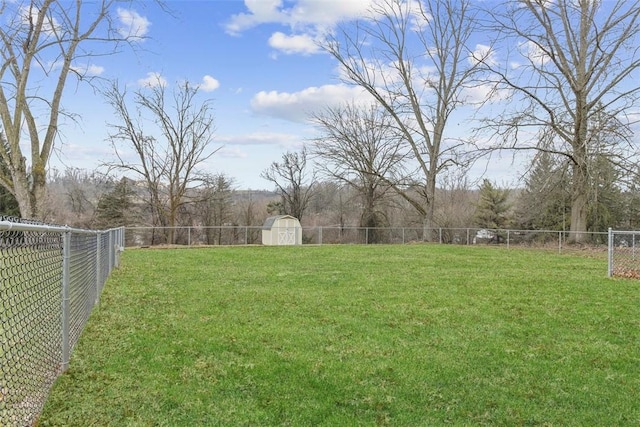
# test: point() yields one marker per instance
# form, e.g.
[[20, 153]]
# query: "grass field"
[[413, 335]]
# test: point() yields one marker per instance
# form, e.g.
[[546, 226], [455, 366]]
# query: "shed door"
[[287, 236]]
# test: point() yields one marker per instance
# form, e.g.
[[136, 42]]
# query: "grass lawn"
[[356, 335]]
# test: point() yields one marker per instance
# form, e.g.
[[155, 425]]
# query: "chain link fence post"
[[610, 253], [98, 265], [111, 251]]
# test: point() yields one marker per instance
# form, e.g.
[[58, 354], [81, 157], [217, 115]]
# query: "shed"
[[281, 230]]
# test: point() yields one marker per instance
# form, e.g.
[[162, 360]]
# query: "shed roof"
[[268, 223]]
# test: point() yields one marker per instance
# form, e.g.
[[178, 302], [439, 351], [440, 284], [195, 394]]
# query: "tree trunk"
[[578, 230], [30, 198], [580, 190], [430, 191]]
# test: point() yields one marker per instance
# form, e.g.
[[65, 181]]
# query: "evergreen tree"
[[492, 209], [606, 204], [8, 204], [117, 208], [545, 203], [631, 200]]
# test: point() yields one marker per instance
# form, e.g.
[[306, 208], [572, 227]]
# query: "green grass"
[[356, 335]]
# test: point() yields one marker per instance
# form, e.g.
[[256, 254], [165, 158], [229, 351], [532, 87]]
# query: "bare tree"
[[293, 181], [73, 195], [250, 210], [168, 165], [215, 209], [413, 59], [576, 62], [43, 43], [455, 203], [358, 146]]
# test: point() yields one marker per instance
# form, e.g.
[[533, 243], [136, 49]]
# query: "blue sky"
[[257, 60]]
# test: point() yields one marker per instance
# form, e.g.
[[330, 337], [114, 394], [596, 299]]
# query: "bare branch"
[[577, 65], [169, 161], [392, 55]]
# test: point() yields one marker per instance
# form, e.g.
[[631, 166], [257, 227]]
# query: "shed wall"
[[283, 231]]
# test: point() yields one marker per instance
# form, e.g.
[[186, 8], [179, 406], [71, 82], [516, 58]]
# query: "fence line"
[[51, 277], [247, 235]]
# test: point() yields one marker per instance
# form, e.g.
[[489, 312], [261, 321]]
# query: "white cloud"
[[134, 25], [485, 54], [232, 153], [153, 79], [260, 139], [304, 44], [534, 53], [327, 13], [488, 91], [298, 106], [209, 84], [88, 70], [260, 12], [384, 73], [50, 23], [302, 13]]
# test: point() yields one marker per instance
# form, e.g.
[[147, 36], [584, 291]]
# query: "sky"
[[257, 60]]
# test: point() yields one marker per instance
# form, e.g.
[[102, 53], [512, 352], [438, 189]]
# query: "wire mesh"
[[624, 254], [37, 298], [31, 308], [82, 283], [103, 258]]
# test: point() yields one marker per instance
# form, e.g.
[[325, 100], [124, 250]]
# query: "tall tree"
[[413, 58], [168, 164], [576, 68], [44, 43], [294, 182], [358, 146]]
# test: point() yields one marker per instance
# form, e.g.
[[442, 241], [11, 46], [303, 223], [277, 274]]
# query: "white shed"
[[281, 230]]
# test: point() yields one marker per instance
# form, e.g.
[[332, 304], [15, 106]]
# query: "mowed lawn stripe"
[[356, 335]]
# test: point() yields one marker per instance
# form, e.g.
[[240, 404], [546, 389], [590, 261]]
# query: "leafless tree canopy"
[[43, 42], [360, 147], [166, 157], [413, 59], [572, 72], [294, 181]]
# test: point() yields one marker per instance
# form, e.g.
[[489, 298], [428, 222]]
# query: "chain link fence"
[[319, 235], [50, 279], [624, 253]]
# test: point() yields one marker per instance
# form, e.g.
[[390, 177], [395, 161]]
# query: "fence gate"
[[624, 253]]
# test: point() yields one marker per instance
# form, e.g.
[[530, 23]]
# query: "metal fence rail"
[[50, 279], [624, 253]]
